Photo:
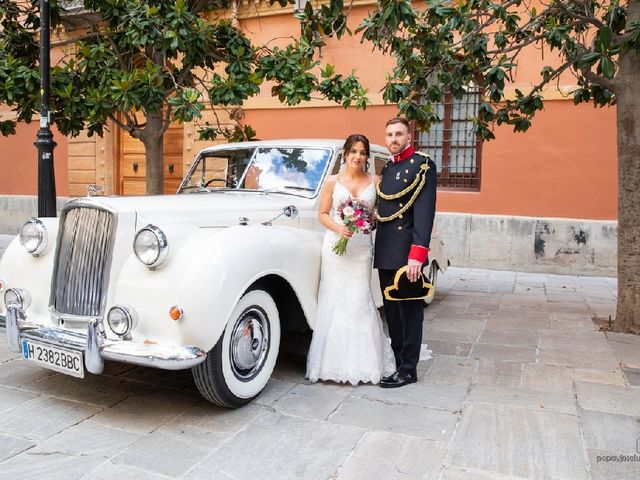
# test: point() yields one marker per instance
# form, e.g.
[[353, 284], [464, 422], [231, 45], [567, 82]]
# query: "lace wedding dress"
[[349, 344]]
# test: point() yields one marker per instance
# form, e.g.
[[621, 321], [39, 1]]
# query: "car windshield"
[[294, 170], [215, 170]]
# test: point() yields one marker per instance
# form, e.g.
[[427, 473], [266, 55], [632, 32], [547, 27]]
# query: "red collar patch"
[[403, 155]]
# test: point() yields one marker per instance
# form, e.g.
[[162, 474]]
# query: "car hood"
[[216, 209]]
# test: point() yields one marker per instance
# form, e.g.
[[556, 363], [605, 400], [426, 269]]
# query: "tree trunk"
[[628, 123], [154, 153]]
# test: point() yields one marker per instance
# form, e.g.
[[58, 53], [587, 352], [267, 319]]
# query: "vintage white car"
[[214, 279]]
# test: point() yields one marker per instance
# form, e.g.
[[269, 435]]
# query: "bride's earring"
[[366, 166]]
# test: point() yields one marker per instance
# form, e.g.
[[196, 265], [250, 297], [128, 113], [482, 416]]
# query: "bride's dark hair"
[[353, 139]]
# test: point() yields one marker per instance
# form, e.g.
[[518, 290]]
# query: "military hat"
[[405, 289]]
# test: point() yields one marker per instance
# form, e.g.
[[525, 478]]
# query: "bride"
[[349, 344]]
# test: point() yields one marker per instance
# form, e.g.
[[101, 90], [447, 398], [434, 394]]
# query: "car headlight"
[[33, 236], [18, 297], [150, 246], [122, 320]]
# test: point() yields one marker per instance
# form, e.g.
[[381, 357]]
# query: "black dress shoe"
[[388, 377], [398, 380]]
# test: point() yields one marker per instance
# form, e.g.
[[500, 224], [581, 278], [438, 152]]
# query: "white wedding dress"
[[349, 344]]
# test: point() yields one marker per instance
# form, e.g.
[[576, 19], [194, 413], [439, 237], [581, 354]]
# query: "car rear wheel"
[[432, 278], [239, 366]]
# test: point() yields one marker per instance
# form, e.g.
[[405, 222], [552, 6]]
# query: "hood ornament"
[[93, 190]]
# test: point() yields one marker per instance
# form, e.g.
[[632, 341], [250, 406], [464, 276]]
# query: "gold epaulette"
[[423, 154], [417, 185]]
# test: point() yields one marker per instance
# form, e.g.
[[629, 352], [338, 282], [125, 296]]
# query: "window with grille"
[[452, 143]]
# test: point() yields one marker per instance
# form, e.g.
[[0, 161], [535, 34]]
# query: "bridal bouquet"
[[357, 217]]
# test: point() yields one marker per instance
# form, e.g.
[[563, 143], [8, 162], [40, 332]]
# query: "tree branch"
[[610, 84]]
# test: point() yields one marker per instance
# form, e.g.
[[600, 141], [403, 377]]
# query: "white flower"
[[348, 211]]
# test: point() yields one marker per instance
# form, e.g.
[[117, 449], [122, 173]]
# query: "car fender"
[[20, 269], [209, 272]]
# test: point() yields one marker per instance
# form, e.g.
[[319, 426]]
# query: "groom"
[[406, 209]]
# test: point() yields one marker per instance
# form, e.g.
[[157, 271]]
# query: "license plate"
[[54, 358]]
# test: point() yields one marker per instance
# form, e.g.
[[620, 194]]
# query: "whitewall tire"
[[239, 366]]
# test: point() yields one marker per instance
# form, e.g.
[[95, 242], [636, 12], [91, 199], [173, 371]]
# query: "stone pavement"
[[521, 385]]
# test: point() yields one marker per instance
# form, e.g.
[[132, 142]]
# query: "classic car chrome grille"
[[82, 262]]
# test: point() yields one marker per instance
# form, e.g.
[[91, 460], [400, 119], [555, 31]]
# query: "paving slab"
[[578, 358], [109, 471], [509, 353], [10, 446], [282, 447], [440, 347], [628, 354], [210, 418], [519, 442], [42, 417], [623, 338], [422, 422], [10, 399], [588, 341], [454, 473], [166, 453], [523, 398], [275, 389], [316, 401], [451, 370], [609, 398], [52, 466], [393, 456], [87, 438], [147, 410], [632, 375], [438, 396], [93, 389], [548, 378], [605, 431], [18, 373], [496, 372], [591, 375], [510, 337]]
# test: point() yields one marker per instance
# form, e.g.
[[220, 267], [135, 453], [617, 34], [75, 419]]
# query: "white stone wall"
[[552, 245]]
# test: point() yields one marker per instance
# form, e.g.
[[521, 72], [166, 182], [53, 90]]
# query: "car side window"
[[379, 163], [337, 165]]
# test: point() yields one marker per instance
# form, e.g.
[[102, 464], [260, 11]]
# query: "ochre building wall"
[[564, 166]]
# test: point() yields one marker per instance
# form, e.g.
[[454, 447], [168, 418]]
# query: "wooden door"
[[131, 163]]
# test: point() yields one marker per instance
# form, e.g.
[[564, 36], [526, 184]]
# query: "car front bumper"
[[96, 347]]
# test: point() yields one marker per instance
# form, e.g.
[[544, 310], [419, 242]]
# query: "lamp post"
[[44, 142]]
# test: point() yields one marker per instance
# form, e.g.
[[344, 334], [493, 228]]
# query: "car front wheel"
[[239, 366]]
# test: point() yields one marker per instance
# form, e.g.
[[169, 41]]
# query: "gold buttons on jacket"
[[400, 216], [401, 205], [405, 180], [400, 227], [406, 171], [411, 161]]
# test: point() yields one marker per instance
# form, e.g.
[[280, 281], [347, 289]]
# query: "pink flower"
[[360, 223]]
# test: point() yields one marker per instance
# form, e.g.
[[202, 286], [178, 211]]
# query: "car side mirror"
[[290, 211]]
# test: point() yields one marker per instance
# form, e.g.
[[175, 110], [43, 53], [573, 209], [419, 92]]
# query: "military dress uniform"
[[406, 211]]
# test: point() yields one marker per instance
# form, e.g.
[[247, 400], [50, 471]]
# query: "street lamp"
[[44, 142]]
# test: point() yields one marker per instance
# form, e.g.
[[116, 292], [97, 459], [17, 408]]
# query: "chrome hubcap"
[[249, 343]]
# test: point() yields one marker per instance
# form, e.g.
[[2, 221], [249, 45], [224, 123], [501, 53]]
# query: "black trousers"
[[404, 319]]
